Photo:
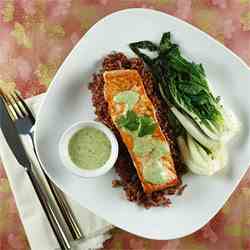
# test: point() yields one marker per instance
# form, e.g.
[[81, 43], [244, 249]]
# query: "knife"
[[16, 146]]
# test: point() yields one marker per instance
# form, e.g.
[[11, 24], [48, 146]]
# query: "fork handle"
[[63, 205], [66, 211], [48, 208]]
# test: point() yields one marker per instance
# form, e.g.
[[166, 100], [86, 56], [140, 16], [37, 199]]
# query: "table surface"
[[35, 37]]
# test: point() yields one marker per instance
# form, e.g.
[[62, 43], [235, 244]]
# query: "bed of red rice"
[[124, 165]]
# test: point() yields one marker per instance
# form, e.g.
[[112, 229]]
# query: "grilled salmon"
[[129, 81]]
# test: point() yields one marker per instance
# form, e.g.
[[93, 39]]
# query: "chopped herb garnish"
[[146, 127], [131, 121]]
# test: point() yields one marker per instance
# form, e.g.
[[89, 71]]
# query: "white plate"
[[68, 101]]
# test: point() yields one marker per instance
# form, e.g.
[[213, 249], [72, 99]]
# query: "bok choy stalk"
[[184, 87], [199, 159]]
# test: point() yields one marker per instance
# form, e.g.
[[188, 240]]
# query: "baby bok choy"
[[199, 159], [184, 87]]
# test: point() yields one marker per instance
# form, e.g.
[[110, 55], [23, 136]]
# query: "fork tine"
[[14, 106], [21, 104], [25, 106], [11, 107], [11, 112]]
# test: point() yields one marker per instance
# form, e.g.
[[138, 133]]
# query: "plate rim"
[[78, 44]]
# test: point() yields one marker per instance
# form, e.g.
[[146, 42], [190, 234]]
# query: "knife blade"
[[12, 137]]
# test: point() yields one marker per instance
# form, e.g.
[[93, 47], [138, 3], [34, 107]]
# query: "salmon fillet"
[[117, 81]]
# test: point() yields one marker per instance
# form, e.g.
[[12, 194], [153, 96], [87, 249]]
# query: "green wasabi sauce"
[[155, 172], [129, 97], [149, 149], [148, 145], [153, 149], [89, 148]]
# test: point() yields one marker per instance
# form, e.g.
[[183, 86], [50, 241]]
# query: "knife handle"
[[48, 208]]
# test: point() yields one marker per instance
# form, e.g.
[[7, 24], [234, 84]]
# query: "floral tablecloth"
[[35, 37]]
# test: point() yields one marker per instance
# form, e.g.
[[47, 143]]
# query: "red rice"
[[124, 165]]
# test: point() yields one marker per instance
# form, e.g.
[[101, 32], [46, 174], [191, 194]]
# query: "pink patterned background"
[[35, 37]]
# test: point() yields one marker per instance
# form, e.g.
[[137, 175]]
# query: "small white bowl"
[[71, 166]]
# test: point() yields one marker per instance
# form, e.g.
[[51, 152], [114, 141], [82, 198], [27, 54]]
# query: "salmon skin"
[[116, 82]]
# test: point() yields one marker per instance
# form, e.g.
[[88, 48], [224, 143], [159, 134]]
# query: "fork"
[[24, 121]]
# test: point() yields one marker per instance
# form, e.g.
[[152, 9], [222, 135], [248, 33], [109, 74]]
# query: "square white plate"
[[68, 101]]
